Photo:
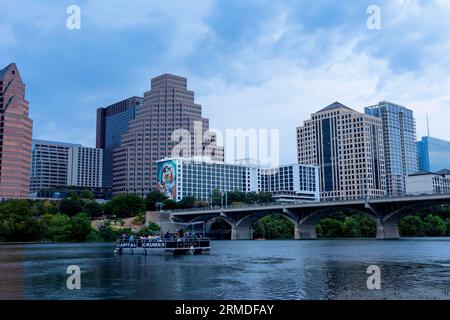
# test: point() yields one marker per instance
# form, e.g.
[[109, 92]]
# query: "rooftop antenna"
[[428, 126]]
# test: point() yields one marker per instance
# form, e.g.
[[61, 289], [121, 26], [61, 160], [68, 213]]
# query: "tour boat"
[[192, 243], [171, 246]]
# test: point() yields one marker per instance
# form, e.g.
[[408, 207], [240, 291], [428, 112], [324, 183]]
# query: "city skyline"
[[274, 74]]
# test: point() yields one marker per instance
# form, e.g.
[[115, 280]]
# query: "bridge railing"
[[209, 208], [269, 204]]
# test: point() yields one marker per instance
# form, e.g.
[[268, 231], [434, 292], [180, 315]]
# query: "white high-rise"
[[348, 148], [49, 160], [85, 167]]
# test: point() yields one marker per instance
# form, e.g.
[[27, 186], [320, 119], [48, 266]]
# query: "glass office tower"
[[399, 136], [347, 146], [433, 154], [112, 123]]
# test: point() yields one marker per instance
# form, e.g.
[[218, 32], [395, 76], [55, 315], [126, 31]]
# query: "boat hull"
[[182, 246], [162, 251]]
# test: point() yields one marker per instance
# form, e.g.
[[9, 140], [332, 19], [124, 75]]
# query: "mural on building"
[[167, 179]]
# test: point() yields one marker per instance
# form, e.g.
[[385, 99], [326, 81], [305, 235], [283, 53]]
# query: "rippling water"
[[323, 269]]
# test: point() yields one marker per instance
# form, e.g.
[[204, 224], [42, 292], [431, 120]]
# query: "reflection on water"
[[328, 269]]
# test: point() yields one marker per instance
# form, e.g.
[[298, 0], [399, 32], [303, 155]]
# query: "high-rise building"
[[348, 148], [112, 123], [168, 119], [433, 154], [49, 164], [399, 136], [85, 167], [428, 183], [179, 178], [15, 135]]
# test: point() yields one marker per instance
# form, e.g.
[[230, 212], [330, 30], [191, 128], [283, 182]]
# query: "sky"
[[252, 64]]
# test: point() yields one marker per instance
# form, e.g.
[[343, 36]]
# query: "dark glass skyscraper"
[[112, 123], [399, 137], [433, 154]]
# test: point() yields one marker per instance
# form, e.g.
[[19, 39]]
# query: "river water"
[[322, 269]]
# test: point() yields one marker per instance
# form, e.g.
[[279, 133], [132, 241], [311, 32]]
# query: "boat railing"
[[187, 242]]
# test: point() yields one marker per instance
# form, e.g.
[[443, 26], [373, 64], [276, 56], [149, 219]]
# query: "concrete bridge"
[[385, 211]]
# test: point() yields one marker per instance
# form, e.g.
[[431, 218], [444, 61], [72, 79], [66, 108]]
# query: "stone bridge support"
[[241, 233], [388, 231], [305, 232]]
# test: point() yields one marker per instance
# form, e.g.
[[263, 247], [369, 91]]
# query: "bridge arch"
[[395, 216], [241, 230], [251, 219], [316, 216]]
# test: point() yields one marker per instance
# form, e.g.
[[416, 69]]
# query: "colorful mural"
[[167, 179]]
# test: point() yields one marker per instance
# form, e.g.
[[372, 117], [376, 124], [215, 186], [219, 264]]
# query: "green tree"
[[412, 226], [45, 207], [87, 194], [238, 204], [187, 203], [435, 226], [319, 231], [200, 204], [70, 207], [251, 197], [124, 206], [17, 222], [169, 204], [152, 198], [150, 229], [331, 228], [273, 226], [235, 196], [60, 228], [44, 223], [447, 223], [80, 227], [105, 232], [93, 209], [265, 197], [352, 228], [368, 226], [73, 195]]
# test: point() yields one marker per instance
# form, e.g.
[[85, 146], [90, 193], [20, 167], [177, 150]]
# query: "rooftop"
[[5, 70], [425, 173], [334, 106]]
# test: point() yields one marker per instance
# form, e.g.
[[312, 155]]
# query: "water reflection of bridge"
[[385, 211]]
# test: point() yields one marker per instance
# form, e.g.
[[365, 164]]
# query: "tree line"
[[69, 220], [342, 225]]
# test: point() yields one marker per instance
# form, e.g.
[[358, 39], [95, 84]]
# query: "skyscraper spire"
[[428, 126]]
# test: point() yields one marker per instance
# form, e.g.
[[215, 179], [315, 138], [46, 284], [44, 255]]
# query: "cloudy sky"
[[252, 64]]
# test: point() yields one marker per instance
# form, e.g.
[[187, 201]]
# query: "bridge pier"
[[305, 232], [241, 233], [388, 231]]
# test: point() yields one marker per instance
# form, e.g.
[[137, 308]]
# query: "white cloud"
[[282, 90], [183, 20]]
